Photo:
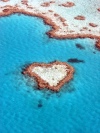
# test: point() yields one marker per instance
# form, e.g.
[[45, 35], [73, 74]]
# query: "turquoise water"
[[23, 108]]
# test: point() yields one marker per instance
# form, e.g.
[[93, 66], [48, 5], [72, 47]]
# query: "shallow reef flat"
[[52, 76], [69, 19]]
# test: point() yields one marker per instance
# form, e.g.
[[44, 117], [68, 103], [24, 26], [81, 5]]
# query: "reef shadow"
[[75, 60], [79, 46]]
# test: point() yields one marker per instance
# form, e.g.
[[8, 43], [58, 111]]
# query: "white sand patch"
[[53, 74]]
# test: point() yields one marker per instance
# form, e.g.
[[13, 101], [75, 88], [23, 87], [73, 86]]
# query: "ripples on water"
[[23, 108]]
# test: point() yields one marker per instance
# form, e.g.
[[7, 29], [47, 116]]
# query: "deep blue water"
[[23, 108]]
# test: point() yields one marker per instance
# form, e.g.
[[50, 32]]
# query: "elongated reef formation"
[[65, 22]]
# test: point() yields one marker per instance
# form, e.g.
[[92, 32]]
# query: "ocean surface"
[[24, 108]]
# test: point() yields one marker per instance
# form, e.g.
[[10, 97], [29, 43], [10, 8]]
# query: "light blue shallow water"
[[23, 108]]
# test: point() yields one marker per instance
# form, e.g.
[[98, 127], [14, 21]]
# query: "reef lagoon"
[[24, 108]]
